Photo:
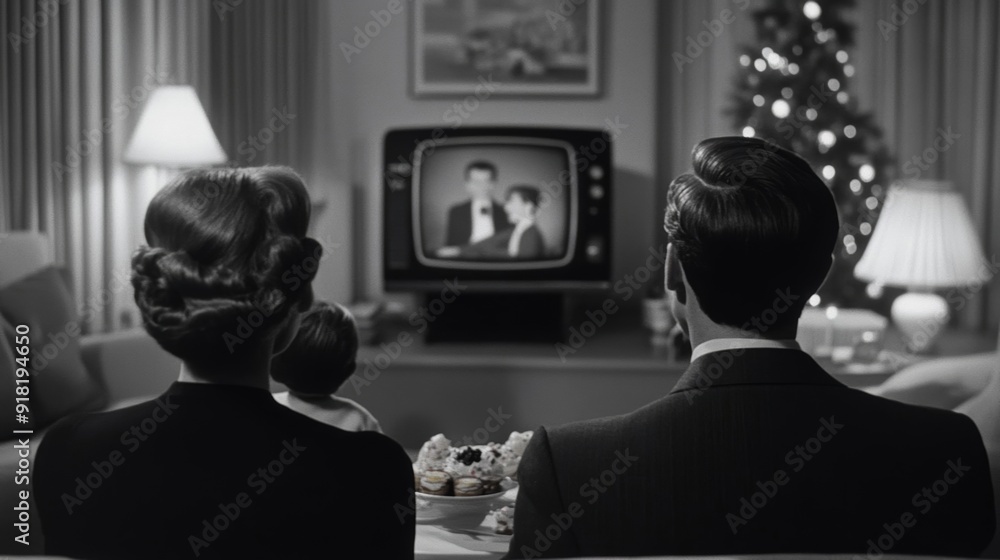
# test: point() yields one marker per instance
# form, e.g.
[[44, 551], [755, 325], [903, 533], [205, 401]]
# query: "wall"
[[370, 94], [354, 103]]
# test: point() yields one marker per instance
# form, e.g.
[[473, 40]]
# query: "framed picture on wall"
[[505, 47]]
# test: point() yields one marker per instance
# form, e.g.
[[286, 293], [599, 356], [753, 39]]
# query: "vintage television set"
[[520, 217]]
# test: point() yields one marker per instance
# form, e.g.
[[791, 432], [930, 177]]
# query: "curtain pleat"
[[258, 54], [949, 86], [71, 96]]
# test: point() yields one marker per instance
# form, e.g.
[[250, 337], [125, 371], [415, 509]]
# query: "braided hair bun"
[[227, 261]]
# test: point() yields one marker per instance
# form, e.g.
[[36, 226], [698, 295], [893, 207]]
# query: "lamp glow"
[[924, 240], [173, 131]]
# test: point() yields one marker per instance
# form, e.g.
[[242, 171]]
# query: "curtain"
[[934, 78], [259, 102], [75, 76], [938, 71]]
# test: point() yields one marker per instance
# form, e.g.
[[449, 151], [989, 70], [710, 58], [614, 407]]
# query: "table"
[[434, 541], [439, 540]]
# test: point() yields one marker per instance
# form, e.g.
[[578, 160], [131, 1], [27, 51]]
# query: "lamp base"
[[920, 316]]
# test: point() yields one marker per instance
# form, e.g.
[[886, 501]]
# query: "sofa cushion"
[[60, 383]]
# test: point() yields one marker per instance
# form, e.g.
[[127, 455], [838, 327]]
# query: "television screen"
[[503, 208], [494, 203]]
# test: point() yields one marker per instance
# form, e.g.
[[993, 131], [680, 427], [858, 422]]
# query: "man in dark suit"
[[756, 449], [481, 216]]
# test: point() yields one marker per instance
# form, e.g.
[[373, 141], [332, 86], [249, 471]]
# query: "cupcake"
[[518, 441], [507, 461], [468, 486], [464, 461], [478, 461], [437, 483], [512, 451], [416, 477], [434, 453], [491, 483]]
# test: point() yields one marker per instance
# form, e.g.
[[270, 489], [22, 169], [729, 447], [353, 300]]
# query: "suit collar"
[[753, 366]]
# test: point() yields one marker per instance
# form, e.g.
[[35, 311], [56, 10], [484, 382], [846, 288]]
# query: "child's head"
[[323, 354], [521, 203]]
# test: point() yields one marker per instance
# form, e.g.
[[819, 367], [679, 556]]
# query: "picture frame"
[[505, 48]]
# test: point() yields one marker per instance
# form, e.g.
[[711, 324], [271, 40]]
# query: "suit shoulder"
[[89, 423], [946, 426], [911, 412], [587, 431], [369, 443]]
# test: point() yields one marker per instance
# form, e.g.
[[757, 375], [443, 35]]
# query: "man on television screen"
[[481, 216]]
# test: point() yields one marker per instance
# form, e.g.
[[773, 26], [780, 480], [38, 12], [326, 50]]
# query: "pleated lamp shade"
[[924, 239], [173, 131]]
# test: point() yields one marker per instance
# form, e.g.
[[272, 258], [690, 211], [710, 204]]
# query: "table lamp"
[[924, 240], [174, 132]]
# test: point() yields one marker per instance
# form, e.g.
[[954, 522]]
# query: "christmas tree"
[[792, 90]]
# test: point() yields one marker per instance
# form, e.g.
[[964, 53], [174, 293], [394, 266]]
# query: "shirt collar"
[[723, 344], [753, 366]]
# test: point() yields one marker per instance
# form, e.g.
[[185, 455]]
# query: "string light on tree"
[[826, 139], [781, 108], [867, 173], [812, 10], [794, 89]]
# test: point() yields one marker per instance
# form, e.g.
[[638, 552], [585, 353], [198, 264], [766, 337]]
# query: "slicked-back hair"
[[750, 222], [323, 354], [482, 165]]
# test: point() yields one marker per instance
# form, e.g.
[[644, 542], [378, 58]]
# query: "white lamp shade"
[[924, 239], [173, 131]]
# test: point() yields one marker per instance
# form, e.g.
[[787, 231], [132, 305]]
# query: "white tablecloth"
[[434, 541]]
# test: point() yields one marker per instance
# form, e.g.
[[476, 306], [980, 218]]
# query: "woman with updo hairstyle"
[[215, 467], [226, 269]]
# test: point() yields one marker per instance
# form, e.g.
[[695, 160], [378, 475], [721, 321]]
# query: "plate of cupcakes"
[[460, 484]]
